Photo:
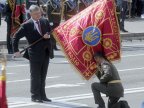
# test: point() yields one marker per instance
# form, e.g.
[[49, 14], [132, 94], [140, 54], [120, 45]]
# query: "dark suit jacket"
[[109, 73], [121, 104], [38, 51]]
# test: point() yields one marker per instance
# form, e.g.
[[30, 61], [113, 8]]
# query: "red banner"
[[92, 30], [18, 14], [3, 100]]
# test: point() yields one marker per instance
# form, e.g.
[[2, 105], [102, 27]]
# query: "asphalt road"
[[66, 87]]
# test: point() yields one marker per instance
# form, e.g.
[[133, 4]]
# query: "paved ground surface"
[[67, 89]]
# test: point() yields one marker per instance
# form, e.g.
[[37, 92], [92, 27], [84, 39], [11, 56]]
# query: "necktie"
[[39, 27]]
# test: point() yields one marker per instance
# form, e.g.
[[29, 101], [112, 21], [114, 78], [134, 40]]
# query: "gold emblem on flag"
[[112, 56], [87, 74], [107, 43], [93, 67], [99, 15], [87, 56], [74, 31], [91, 36]]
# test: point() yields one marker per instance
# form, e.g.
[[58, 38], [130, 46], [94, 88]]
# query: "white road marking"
[[133, 45], [14, 81], [64, 85], [11, 103], [51, 106], [132, 89], [132, 69], [16, 102], [9, 73], [21, 105], [135, 55], [60, 62], [65, 104], [16, 66]]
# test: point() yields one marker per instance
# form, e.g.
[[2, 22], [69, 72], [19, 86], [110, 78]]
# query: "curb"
[[132, 36]]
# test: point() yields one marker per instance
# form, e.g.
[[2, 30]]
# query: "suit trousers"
[[97, 89], [9, 38], [0, 19], [123, 14], [112, 101], [38, 76], [134, 6], [142, 2]]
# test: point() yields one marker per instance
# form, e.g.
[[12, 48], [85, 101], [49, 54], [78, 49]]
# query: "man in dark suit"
[[35, 28], [110, 83], [124, 7]]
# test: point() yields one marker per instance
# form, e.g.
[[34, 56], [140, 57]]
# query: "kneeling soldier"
[[110, 83]]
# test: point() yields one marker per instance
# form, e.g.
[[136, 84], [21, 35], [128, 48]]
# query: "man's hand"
[[17, 54], [46, 36]]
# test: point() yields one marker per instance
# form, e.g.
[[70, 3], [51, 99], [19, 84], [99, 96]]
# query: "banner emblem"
[[91, 36]]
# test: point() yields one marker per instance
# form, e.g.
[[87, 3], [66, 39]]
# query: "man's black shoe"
[[100, 107], [10, 52], [123, 30], [46, 100], [37, 100]]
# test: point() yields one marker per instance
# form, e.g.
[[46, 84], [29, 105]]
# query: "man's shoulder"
[[44, 19], [26, 23]]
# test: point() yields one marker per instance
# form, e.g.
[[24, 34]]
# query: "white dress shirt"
[[36, 25]]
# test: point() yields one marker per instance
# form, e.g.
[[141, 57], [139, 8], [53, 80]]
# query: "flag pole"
[[34, 43], [62, 10], [3, 99]]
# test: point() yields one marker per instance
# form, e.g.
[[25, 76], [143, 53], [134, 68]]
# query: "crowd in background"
[[2, 5], [135, 8], [129, 9]]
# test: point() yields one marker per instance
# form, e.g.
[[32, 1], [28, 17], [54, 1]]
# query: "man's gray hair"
[[34, 8]]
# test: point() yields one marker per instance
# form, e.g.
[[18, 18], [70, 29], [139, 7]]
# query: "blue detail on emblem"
[[91, 36]]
